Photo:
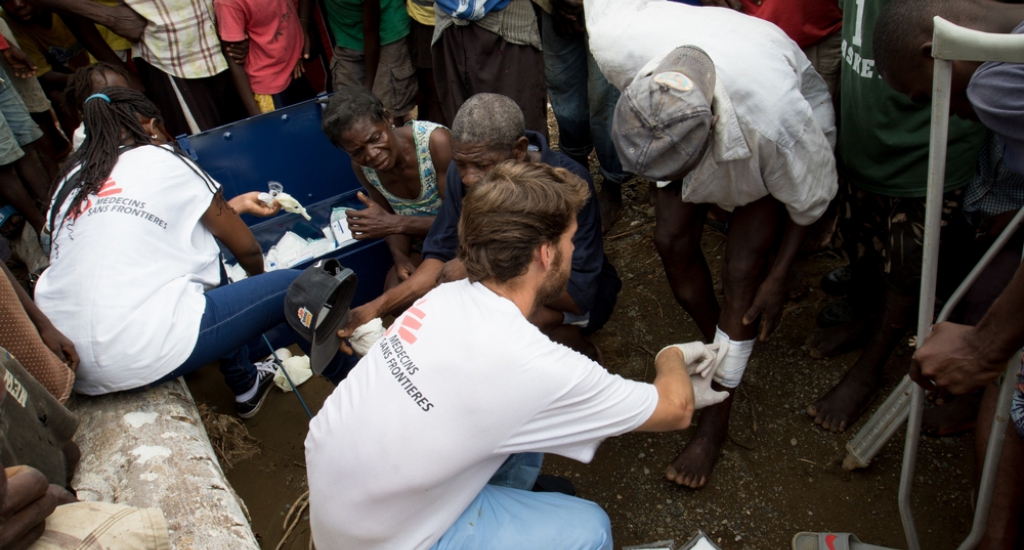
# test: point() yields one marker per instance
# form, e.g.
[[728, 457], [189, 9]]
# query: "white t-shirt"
[[458, 383], [776, 127], [127, 277]]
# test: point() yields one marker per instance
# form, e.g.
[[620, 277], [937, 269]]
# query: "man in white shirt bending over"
[[433, 439], [725, 109]]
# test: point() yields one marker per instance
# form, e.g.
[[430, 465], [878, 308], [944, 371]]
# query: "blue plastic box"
[[289, 147]]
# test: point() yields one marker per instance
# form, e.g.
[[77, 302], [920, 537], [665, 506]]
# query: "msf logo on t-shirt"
[[409, 323], [108, 188]]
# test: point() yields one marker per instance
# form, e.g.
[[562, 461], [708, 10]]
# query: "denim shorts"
[[17, 128]]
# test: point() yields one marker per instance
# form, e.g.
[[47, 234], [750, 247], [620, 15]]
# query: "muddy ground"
[[778, 473]]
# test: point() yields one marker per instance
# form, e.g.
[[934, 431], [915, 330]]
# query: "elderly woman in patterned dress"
[[403, 170]]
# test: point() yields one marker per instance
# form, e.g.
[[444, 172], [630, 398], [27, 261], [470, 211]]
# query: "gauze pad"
[[730, 371]]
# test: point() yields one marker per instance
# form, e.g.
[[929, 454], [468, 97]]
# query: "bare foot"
[[693, 466], [844, 404], [796, 285], [959, 415], [832, 341]]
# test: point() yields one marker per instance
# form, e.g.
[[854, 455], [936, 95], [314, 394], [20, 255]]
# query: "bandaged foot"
[[734, 363], [702, 361]]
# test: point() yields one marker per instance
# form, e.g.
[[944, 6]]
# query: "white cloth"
[[127, 277], [776, 127], [366, 335], [458, 383], [298, 370], [78, 137]]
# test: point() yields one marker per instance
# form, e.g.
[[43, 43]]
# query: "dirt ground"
[[778, 473]]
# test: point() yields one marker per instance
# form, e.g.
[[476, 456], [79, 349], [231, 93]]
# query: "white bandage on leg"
[[730, 371]]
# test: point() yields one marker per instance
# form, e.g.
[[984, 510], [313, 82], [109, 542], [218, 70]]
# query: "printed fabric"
[[429, 201], [470, 10], [995, 188], [180, 38]]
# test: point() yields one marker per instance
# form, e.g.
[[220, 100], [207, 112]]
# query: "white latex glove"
[[702, 360]]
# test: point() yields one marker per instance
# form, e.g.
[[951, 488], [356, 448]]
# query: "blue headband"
[[101, 96]]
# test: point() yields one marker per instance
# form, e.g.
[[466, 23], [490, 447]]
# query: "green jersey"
[[346, 19], [883, 136]]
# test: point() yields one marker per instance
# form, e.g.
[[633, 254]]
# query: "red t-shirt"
[[275, 39], [807, 22]]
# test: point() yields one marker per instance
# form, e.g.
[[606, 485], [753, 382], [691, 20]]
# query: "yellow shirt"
[[420, 13], [116, 42], [56, 43]]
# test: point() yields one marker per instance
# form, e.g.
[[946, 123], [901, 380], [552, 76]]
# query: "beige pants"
[[101, 526], [395, 84], [826, 58]]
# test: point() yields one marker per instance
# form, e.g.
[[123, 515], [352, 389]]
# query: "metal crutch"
[[894, 411], [951, 42]]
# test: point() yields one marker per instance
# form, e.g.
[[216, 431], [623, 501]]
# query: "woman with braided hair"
[[135, 265]]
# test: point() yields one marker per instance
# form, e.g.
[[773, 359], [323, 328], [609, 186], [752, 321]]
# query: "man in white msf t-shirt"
[[417, 448]]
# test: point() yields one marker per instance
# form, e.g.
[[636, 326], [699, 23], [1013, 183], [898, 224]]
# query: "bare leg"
[[951, 417], [52, 146], [550, 322], [753, 236], [14, 192], [865, 304], [844, 403], [1003, 529], [571, 337], [610, 200], [34, 175], [392, 279], [677, 234]]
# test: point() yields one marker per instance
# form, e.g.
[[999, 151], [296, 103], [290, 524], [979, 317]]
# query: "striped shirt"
[[181, 37]]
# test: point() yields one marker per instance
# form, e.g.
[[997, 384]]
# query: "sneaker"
[[265, 380]]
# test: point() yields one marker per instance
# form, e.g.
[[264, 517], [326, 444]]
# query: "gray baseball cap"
[[662, 122]]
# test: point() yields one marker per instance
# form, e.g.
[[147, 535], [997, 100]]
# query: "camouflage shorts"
[[890, 230]]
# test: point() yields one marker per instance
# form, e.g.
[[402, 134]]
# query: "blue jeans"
[[582, 99], [507, 515], [235, 318]]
